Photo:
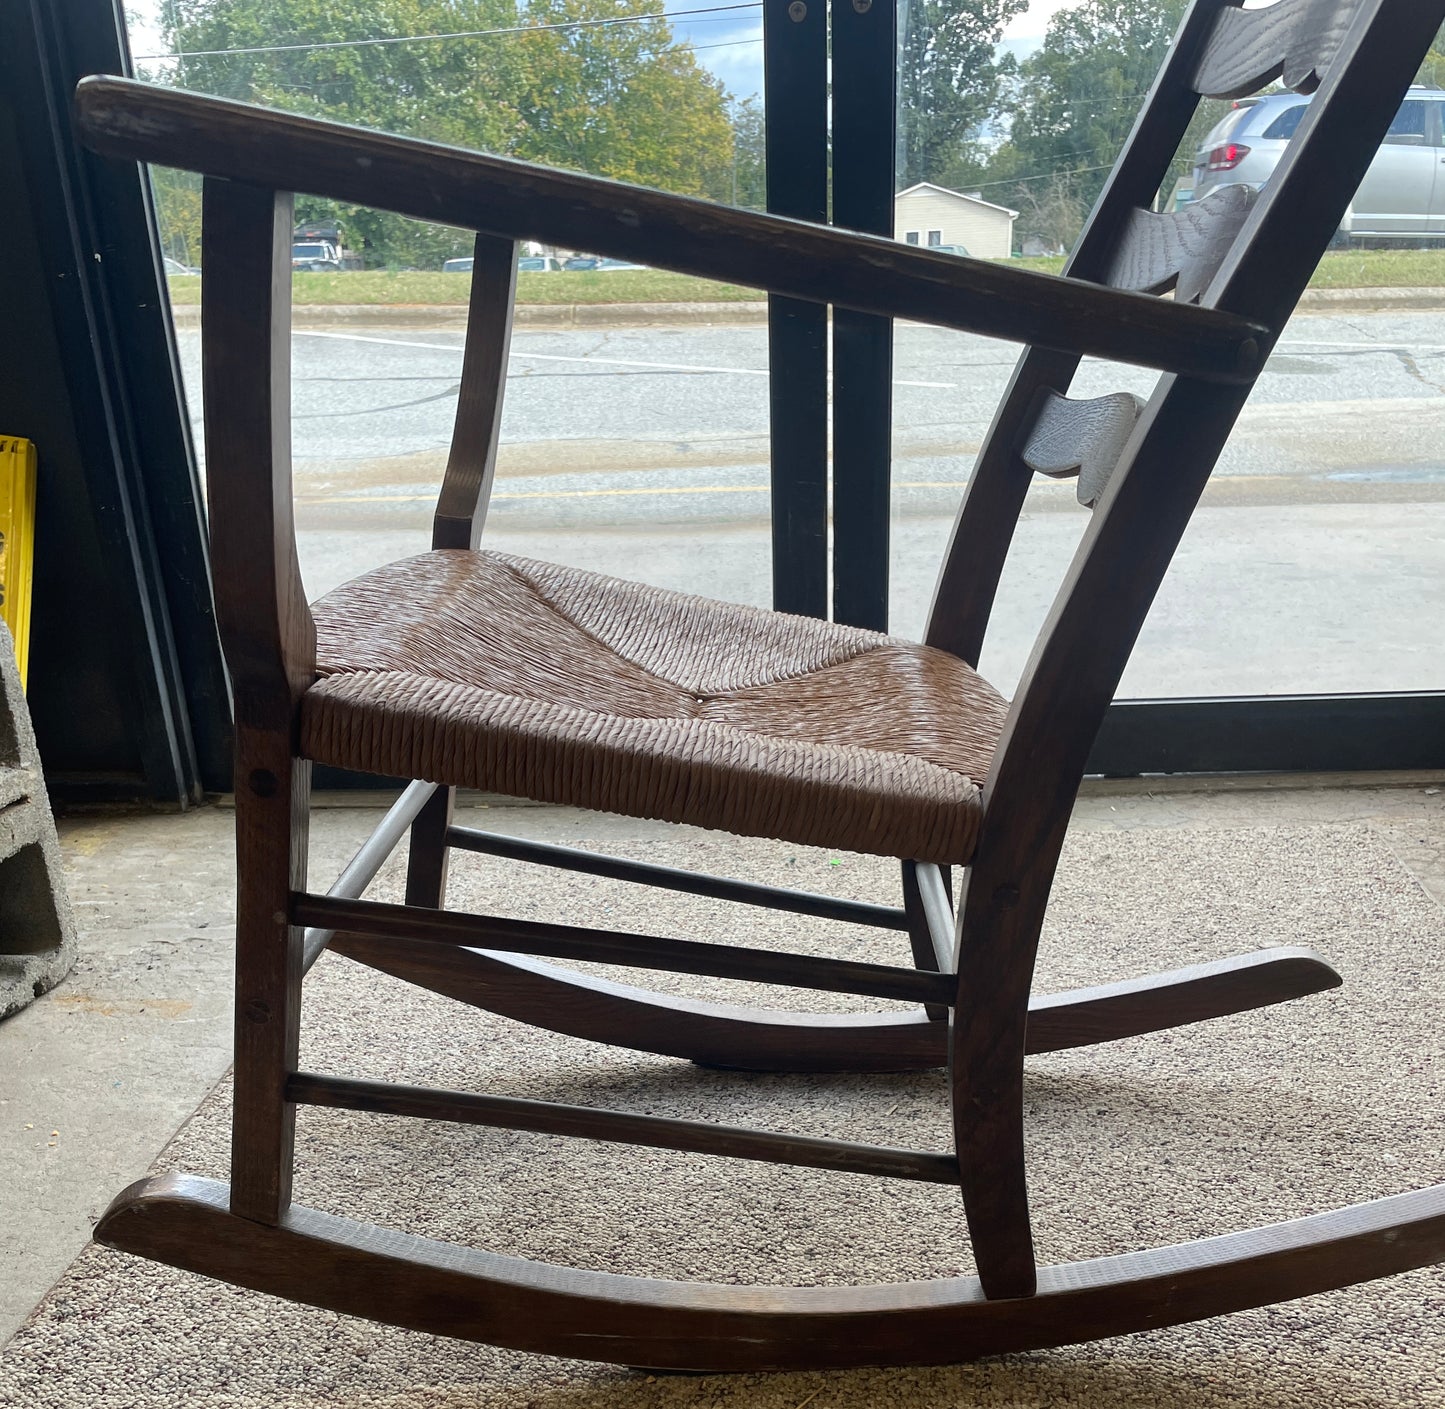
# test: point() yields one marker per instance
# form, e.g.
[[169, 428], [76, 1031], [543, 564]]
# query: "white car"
[[1401, 199]]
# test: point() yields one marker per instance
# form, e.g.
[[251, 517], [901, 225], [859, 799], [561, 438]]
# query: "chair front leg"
[[273, 804]]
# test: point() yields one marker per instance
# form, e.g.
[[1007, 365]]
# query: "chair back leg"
[[426, 867], [1000, 918]]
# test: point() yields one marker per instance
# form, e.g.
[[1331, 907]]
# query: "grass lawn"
[[1341, 269], [383, 287]]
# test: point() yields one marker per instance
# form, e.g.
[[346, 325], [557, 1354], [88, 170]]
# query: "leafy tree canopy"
[[621, 100], [453, 90], [613, 99], [1432, 71], [950, 81], [1082, 90]]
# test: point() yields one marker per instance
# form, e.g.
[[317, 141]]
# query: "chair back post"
[[1106, 594], [269, 635], [472, 462], [983, 531]]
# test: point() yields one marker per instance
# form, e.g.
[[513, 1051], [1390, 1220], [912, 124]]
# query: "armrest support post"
[[472, 462]]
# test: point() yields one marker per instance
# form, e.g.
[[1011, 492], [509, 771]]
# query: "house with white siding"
[[926, 214]]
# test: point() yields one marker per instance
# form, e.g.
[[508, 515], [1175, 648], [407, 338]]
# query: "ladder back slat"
[[1083, 438], [1292, 40], [1183, 249]]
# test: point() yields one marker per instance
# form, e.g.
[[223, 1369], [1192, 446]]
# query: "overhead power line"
[[460, 34], [1039, 176]]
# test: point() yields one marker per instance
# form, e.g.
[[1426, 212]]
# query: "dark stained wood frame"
[[357, 1268], [1247, 263]]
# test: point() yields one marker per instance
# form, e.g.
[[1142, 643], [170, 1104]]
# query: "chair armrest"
[[281, 151]]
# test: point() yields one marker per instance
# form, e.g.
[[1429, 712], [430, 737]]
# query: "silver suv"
[[1402, 197]]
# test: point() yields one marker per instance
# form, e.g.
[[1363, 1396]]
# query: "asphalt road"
[[1316, 564]]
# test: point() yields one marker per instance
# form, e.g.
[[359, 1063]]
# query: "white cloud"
[[1035, 20]]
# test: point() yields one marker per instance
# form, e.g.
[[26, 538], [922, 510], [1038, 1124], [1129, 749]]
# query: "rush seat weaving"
[[560, 685]]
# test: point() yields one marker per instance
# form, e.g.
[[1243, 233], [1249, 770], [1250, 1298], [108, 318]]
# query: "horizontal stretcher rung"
[[685, 956], [797, 902], [620, 1127]]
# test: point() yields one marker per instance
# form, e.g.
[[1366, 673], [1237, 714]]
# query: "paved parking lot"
[[1315, 565]]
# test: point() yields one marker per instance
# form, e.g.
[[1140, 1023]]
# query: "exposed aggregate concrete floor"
[[96, 1077]]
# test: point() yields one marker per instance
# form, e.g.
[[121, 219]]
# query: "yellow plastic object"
[[17, 541]]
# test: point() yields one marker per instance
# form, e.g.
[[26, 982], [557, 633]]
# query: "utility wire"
[[1041, 176], [725, 44], [461, 34]]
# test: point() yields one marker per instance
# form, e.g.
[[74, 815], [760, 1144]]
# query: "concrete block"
[[37, 931]]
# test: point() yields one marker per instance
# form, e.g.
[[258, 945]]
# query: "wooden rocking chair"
[[468, 668]]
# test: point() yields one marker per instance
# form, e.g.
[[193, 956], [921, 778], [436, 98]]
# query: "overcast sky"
[[1033, 22]]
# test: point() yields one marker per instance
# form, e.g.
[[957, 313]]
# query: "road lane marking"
[[514, 355], [1297, 343], [618, 493]]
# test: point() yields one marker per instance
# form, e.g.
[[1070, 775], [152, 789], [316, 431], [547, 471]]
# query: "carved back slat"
[[1083, 438], [1181, 250], [1292, 40]]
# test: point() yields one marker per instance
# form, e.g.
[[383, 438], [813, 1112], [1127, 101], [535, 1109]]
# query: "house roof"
[[958, 195]]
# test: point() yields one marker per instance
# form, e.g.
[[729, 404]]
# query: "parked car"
[[607, 265], [315, 257], [538, 264], [174, 266], [581, 261], [457, 266], [1401, 199], [949, 249], [325, 243]]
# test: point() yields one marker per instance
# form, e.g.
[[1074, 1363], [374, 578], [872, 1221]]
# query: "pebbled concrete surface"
[[1177, 1135], [98, 1075]]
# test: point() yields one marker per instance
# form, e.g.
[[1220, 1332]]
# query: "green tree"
[[1077, 100], [618, 100], [951, 79], [453, 90], [1432, 71], [621, 100], [749, 175], [178, 205]]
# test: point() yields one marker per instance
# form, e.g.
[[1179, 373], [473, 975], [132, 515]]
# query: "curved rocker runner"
[[465, 667], [429, 1286]]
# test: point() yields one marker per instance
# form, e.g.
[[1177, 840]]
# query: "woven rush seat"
[[488, 671]]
